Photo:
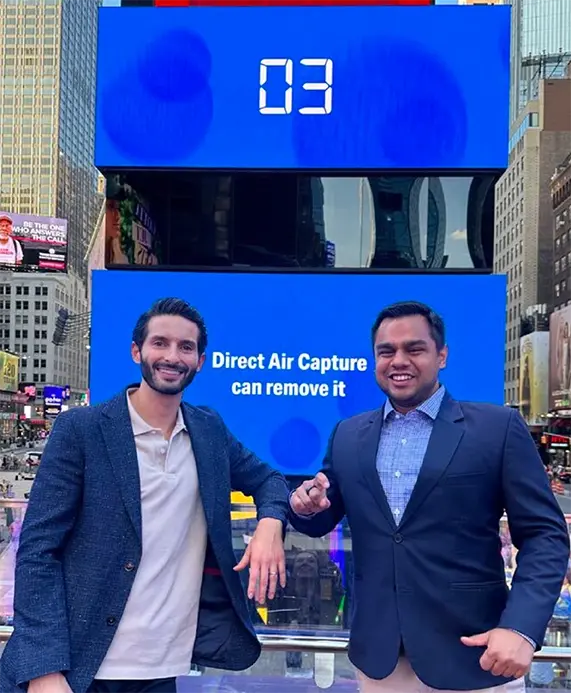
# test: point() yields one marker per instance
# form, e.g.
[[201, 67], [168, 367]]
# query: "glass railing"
[[304, 630], [283, 668]]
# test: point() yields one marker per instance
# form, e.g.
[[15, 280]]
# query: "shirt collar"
[[139, 424], [430, 406]]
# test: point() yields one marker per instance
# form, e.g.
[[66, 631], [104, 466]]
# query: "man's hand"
[[507, 653], [52, 683], [265, 556], [311, 497]]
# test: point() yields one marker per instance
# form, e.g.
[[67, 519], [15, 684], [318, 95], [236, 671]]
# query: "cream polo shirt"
[[155, 637]]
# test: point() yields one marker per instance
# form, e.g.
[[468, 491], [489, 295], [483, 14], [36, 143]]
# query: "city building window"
[[44, 305], [38, 291], [44, 290], [44, 334], [26, 291], [37, 305], [43, 378], [18, 290]]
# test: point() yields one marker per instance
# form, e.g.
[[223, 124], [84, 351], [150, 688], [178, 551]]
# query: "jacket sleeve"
[[253, 477], [539, 532], [41, 631], [322, 523]]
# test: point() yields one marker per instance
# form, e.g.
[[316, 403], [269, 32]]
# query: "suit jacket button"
[[398, 538], [111, 621], [129, 566]]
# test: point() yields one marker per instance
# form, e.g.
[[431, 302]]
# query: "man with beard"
[[126, 571]]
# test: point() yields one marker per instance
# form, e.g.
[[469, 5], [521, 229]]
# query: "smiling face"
[[5, 228], [169, 357], [407, 361]]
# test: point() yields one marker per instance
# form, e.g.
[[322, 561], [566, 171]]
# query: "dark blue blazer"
[[439, 575], [82, 536]]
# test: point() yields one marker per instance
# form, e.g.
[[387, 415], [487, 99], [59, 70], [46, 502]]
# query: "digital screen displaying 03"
[[303, 88]]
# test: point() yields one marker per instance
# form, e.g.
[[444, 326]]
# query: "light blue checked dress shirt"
[[402, 447]]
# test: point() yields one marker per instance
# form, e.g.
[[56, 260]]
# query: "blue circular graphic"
[[176, 67], [171, 79], [295, 445], [402, 99]]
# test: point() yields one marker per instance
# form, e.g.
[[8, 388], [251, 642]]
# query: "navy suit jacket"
[[439, 575], [81, 538]]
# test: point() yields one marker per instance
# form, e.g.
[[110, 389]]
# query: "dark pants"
[[156, 686]]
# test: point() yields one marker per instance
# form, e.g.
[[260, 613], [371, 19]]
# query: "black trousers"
[[154, 686]]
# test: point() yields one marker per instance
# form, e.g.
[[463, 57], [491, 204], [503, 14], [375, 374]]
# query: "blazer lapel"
[[369, 436], [120, 442], [446, 435], [201, 437]]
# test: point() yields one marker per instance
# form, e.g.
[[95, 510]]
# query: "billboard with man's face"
[[31, 243]]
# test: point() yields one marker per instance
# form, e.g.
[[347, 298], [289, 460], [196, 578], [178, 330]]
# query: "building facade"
[[47, 102], [540, 47], [28, 310], [523, 217], [561, 204]]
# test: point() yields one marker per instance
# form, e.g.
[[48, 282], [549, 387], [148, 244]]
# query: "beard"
[[153, 379]]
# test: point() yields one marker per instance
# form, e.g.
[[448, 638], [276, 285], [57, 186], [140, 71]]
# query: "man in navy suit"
[[424, 482], [126, 570]]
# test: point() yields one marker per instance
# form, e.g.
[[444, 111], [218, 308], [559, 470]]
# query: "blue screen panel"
[[297, 316], [303, 87]]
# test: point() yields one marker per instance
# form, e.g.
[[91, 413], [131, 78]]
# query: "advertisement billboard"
[[534, 377], [31, 243], [29, 390], [53, 399], [9, 372], [289, 355], [303, 88], [560, 359]]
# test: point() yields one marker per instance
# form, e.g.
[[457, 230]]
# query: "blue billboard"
[[323, 88], [289, 355], [54, 397]]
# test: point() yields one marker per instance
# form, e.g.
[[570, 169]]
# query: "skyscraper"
[[540, 138], [47, 97], [47, 101], [541, 47]]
